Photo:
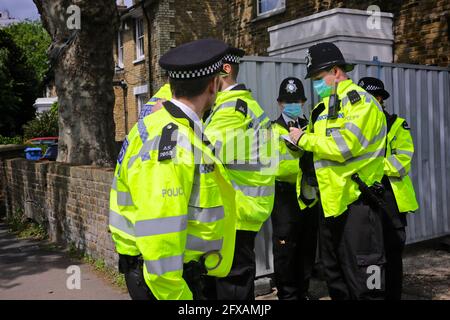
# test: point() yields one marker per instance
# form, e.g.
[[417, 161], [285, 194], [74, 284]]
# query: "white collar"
[[231, 87], [188, 111]]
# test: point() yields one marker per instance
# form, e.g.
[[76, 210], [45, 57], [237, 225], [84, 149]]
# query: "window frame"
[[281, 7], [141, 101], [120, 49], [140, 52]]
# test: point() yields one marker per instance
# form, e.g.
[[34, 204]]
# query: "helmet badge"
[[291, 87]]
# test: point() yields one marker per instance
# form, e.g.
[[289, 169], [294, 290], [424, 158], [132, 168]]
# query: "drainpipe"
[[149, 49], [124, 87]]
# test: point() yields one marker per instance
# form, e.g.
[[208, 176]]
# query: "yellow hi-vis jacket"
[[164, 93], [354, 142], [288, 169], [240, 130], [400, 150], [171, 202]]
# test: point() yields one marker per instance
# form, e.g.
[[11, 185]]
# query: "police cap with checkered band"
[[374, 86], [234, 56], [193, 60], [324, 56]]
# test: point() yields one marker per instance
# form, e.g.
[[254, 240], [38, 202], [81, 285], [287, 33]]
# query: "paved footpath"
[[29, 270]]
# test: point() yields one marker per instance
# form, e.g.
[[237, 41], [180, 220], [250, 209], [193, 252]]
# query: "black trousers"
[[394, 227], [294, 243], [240, 282], [352, 253], [132, 268]]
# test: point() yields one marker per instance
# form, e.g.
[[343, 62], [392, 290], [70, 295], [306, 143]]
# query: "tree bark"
[[83, 64]]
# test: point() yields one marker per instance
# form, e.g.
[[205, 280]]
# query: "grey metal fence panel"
[[420, 94]]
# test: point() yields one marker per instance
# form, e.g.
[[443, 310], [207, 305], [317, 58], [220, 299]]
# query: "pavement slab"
[[31, 270]]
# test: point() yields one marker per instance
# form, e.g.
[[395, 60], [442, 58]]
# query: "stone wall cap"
[[328, 13], [11, 147]]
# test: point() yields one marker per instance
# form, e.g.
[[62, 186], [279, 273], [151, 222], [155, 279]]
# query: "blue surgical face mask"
[[322, 88], [293, 110]]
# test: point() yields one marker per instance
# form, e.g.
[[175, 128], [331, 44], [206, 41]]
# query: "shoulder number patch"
[[242, 107], [167, 143], [354, 97]]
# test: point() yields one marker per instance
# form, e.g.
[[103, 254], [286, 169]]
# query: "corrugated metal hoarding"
[[421, 94]]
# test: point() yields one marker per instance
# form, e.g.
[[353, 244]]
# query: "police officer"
[[399, 195], [235, 127], [347, 135], [172, 209], [294, 230]]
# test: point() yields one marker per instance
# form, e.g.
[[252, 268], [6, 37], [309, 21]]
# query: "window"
[[269, 6], [142, 100], [120, 50], [139, 39]]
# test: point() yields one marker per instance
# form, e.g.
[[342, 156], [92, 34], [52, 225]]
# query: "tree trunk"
[[83, 64]]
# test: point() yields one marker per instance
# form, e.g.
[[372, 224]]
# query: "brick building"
[[421, 27], [147, 31], [418, 34]]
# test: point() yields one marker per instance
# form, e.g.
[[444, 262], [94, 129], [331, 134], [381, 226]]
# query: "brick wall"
[[6, 152], [196, 19], [172, 22], [162, 37], [420, 26], [135, 74], [73, 202]]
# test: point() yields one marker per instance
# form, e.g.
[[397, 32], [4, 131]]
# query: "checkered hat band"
[[232, 59], [192, 74], [372, 88]]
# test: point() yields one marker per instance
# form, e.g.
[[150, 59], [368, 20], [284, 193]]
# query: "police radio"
[[334, 105]]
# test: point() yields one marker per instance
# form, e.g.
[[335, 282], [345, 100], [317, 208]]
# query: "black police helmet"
[[374, 86], [324, 56], [291, 90]]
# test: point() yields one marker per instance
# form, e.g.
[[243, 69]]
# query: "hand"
[[158, 105], [295, 134]]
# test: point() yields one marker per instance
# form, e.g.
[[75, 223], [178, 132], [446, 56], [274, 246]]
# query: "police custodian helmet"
[[324, 56], [374, 86], [291, 90]]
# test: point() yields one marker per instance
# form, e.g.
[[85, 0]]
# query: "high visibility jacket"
[[171, 202], [289, 166], [353, 142], [240, 129], [164, 93], [400, 150]]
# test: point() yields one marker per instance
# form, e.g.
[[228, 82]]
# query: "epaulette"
[[353, 97], [167, 143], [242, 107]]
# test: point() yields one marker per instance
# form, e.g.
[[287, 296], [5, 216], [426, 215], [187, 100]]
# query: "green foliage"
[[34, 40], [26, 228], [18, 87], [44, 125], [10, 140]]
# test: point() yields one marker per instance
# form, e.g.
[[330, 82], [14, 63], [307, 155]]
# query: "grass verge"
[[26, 228]]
